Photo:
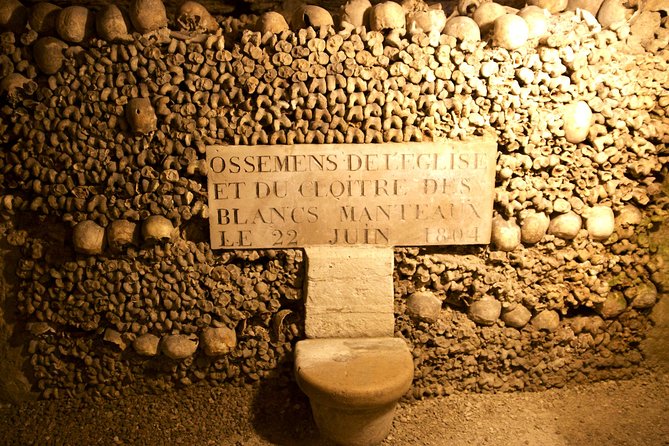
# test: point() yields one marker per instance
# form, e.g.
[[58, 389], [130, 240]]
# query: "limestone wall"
[[150, 305]]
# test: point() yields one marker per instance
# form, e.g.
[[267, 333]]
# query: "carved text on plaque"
[[393, 194]]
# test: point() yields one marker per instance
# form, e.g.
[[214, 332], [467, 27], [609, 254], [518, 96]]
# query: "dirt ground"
[[634, 412]]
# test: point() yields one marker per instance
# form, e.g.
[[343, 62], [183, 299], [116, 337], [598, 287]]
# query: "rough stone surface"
[[424, 305], [660, 238], [485, 311], [349, 292], [655, 344], [14, 385]]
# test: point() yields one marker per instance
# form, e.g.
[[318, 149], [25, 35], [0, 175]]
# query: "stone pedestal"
[[349, 292], [353, 385], [352, 369]]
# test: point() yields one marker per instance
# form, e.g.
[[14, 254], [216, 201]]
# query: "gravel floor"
[[634, 412]]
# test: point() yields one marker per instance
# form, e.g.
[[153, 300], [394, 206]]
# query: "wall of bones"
[[110, 282]]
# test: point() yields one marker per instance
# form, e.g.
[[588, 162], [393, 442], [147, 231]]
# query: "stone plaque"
[[393, 194]]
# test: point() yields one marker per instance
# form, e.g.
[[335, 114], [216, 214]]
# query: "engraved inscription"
[[395, 194]]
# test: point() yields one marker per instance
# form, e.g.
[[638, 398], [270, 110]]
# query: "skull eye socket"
[[305, 19], [468, 6]]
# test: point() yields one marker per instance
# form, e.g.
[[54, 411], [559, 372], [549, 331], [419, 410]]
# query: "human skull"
[[388, 16], [463, 28], [88, 238], [510, 32], [430, 22], [147, 15], [14, 84], [355, 13], [466, 7], [193, 16], [121, 233], [75, 24], [140, 115], [537, 20], [111, 24], [42, 18], [13, 16], [612, 11], [553, 6], [311, 15], [486, 14], [272, 22], [157, 228], [48, 54], [577, 118]]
